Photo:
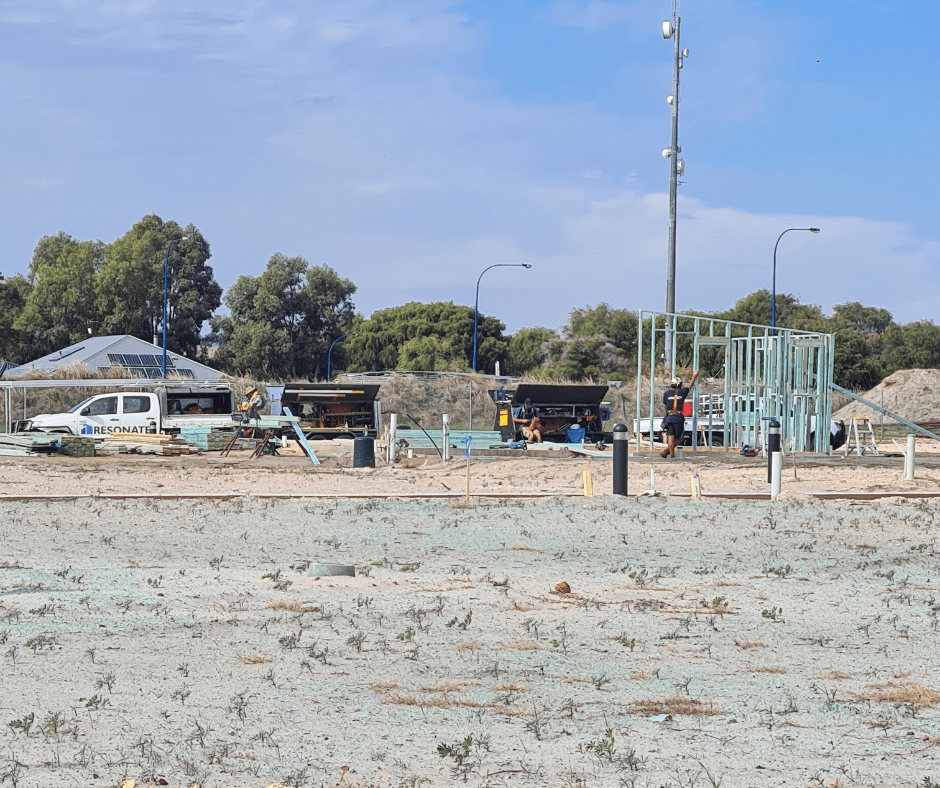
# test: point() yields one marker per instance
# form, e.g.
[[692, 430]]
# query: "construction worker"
[[531, 426], [674, 423], [251, 403]]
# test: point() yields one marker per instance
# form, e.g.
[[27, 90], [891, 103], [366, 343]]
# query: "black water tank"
[[363, 452]]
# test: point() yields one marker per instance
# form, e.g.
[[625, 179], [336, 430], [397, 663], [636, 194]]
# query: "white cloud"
[[352, 132], [614, 249]]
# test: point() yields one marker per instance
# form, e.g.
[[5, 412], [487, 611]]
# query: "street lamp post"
[[773, 292], [330, 353], [166, 265], [476, 304]]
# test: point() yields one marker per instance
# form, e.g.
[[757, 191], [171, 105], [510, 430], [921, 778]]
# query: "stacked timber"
[[27, 444], [481, 439], [146, 443], [206, 438], [77, 445]]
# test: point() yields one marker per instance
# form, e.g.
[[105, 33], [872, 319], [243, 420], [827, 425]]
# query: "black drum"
[[363, 452]]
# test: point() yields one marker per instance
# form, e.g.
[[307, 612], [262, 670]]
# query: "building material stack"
[[27, 444], [205, 438], [144, 443], [77, 445]]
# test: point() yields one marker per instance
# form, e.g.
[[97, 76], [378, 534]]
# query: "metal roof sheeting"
[[138, 358]]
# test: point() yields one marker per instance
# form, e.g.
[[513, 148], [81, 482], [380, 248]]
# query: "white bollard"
[[909, 459], [776, 474], [445, 439], [392, 430]]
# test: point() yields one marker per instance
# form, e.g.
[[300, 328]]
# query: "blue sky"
[[411, 144]]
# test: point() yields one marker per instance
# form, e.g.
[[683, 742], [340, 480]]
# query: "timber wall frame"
[[767, 373]]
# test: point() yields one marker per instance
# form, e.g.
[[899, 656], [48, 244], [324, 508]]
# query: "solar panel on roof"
[[131, 360], [154, 372], [115, 358], [169, 361], [149, 361], [136, 372]]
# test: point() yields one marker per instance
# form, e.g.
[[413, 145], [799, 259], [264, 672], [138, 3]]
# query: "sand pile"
[[913, 394]]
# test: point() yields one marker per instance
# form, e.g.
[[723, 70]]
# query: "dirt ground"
[[531, 473], [709, 642]]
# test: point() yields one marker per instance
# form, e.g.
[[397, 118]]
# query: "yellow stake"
[[588, 485]]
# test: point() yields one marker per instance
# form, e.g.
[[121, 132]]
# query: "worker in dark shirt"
[[674, 423], [529, 424]]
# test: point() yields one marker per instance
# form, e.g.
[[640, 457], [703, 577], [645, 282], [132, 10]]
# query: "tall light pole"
[[330, 353], [676, 167], [773, 292], [476, 304], [166, 265]]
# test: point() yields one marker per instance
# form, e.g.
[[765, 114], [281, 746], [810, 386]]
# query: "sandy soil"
[[731, 642], [531, 473]]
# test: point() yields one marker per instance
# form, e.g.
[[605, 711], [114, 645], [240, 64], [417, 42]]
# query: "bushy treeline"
[[75, 289], [283, 323], [601, 340]]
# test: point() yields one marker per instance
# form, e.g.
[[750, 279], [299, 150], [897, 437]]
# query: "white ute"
[[164, 410]]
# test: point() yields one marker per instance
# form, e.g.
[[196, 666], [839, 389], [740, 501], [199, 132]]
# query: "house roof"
[[139, 359]]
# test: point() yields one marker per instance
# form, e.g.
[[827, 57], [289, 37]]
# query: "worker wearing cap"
[[530, 425], [250, 404], [251, 401], [674, 423]]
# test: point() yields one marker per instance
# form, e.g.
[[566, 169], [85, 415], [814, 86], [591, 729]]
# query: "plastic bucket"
[[687, 408], [363, 452]]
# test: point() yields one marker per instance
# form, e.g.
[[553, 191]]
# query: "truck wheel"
[[717, 439]]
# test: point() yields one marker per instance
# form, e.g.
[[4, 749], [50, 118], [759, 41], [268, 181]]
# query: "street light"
[[330, 353], [773, 292], [166, 265], [476, 304]]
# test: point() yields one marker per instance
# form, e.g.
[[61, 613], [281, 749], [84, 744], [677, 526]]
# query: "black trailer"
[[564, 411], [334, 410]]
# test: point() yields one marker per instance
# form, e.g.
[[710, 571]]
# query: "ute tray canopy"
[[559, 407], [334, 409], [549, 394]]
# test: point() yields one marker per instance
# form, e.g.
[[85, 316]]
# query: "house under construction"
[[760, 373]]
